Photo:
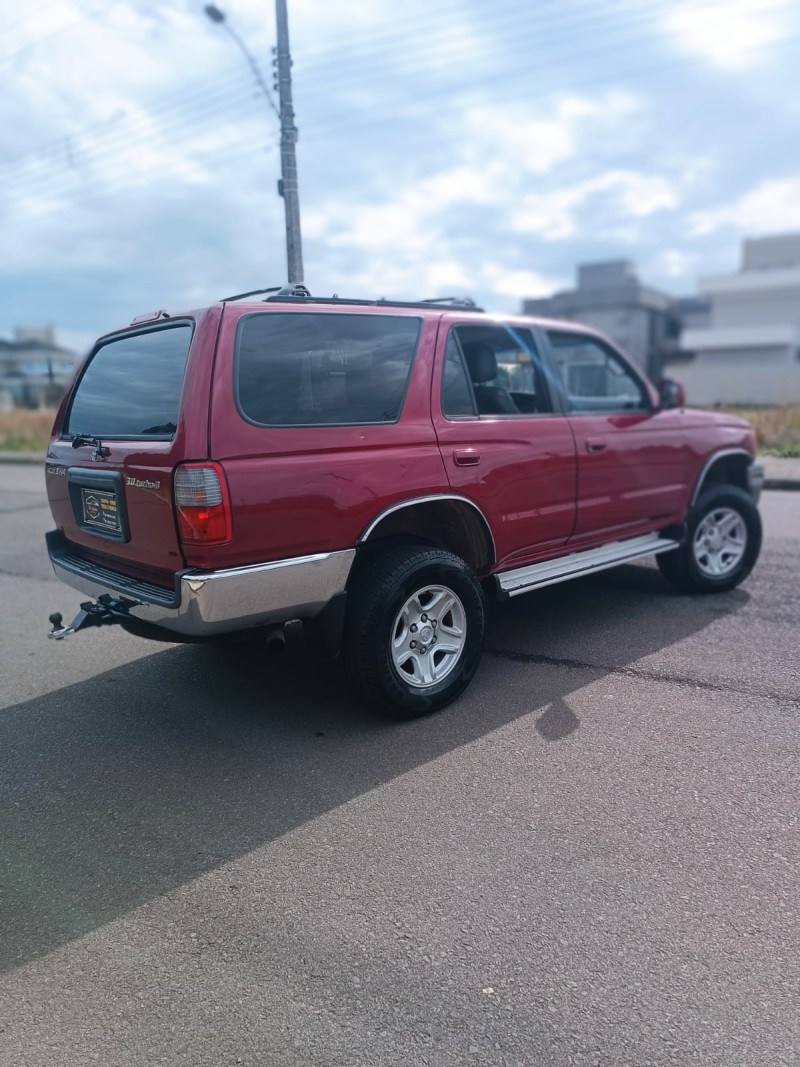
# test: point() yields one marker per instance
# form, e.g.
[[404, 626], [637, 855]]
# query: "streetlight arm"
[[218, 17], [253, 66]]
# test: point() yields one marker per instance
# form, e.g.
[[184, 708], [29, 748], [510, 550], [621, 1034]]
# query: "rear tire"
[[722, 544], [414, 630]]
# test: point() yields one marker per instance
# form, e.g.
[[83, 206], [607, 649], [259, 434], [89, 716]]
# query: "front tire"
[[722, 544], [414, 632]]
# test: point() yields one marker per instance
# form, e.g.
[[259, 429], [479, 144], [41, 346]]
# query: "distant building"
[[749, 350], [34, 369], [643, 321]]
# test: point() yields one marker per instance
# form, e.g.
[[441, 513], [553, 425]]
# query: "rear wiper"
[[80, 439]]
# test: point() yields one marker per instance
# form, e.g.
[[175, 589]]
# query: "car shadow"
[[120, 788]]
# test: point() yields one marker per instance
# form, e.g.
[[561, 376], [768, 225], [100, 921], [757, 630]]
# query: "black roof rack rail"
[[285, 297], [250, 292], [455, 301], [281, 291], [298, 294]]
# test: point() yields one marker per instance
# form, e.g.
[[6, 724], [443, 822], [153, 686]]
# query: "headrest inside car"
[[481, 361]]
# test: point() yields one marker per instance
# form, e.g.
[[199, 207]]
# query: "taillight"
[[202, 504]]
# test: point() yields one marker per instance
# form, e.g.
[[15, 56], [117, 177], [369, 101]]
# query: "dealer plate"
[[101, 509]]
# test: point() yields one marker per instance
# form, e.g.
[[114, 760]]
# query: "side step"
[[576, 565]]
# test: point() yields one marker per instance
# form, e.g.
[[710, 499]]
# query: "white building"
[[749, 353]]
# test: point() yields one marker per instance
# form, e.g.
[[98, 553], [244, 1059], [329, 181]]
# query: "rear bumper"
[[215, 602]]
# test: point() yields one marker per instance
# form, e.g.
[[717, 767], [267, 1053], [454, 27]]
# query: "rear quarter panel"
[[298, 490]]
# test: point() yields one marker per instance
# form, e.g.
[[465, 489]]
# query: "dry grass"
[[777, 429], [22, 430]]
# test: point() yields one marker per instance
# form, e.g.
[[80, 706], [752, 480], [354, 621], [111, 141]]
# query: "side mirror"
[[671, 394]]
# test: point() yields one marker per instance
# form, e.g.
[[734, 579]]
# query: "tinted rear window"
[[132, 386], [316, 369]]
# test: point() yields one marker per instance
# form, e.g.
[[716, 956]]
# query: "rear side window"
[[316, 369], [132, 386]]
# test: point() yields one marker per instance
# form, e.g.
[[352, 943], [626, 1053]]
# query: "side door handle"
[[596, 444], [466, 457]]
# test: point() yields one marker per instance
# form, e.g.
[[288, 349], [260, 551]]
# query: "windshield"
[[132, 386]]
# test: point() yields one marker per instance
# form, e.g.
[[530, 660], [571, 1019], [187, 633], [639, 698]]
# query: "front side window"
[[594, 377], [322, 369], [132, 386], [504, 369]]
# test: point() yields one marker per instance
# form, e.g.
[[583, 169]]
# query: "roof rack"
[[296, 293], [293, 295], [281, 290]]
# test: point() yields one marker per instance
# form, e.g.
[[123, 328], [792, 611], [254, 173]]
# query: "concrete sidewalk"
[[779, 473]]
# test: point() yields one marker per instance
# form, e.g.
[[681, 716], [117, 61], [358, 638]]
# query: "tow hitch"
[[106, 611]]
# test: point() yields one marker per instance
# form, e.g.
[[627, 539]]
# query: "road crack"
[[641, 673]]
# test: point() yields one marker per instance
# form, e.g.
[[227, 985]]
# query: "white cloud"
[[552, 215], [517, 283], [534, 140], [674, 262], [772, 206], [729, 33]]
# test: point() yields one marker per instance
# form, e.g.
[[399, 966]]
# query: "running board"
[[538, 575]]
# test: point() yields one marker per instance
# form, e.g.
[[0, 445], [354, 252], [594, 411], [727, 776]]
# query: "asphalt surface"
[[216, 856]]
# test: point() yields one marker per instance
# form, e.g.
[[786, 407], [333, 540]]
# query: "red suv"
[[376, 469]]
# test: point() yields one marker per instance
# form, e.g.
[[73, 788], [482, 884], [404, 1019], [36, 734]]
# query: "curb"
[[22, 457]]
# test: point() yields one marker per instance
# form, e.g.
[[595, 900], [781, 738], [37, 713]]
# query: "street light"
[[287, 186]]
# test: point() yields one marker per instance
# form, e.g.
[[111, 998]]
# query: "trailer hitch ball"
[[56, 620]]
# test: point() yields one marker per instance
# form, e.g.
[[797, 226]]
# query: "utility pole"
[[287, 186]]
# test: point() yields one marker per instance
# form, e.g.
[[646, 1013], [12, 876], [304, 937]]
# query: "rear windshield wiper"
[[80, 439]]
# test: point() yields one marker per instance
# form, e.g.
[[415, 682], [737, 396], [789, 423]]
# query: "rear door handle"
[[466, 457], [596, 444]]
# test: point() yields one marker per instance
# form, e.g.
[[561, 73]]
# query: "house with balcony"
[[749, 351]]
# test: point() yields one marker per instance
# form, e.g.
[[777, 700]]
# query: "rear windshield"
[[132, 386], [317, 369]]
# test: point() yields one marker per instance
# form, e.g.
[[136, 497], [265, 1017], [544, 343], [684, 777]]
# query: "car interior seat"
[[482, 364]]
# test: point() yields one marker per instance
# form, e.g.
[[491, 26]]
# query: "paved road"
[[215, 857]]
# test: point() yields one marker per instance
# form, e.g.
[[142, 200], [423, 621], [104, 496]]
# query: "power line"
[[359, 72], [442, 17], [7, 57], [211, 92], [109, 145]]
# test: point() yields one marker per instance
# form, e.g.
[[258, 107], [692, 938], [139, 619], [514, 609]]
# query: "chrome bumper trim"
[[215, 602]]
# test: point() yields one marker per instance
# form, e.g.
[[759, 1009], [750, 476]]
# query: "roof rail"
[[281, 291], [300, 295], [297, 293], [454, 301], [250, 292]]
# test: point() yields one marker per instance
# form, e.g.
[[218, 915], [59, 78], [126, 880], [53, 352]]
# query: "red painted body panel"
[[297, 490], [523, 477]]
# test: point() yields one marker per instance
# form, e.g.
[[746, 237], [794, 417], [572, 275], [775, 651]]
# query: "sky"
[[450, 148]]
